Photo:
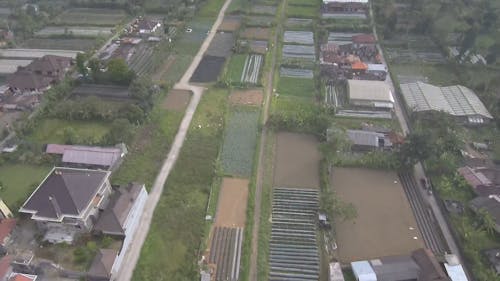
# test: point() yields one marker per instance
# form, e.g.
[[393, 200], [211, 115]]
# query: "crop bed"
[[299, 37], [240, 141], [256, 33], [251, 69], [208, 70], [297, 22], [293, 249], [341, 38], [225, 252], [90, 16], [140, 62], [78, 44], [221, 45], [296, 73], [259, 47], [261, 9], [299, 51], [91, 31]]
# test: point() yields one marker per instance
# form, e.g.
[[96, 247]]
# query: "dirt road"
[[261, 168], [132, 255]]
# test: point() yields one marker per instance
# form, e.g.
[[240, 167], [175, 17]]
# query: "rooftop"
[[363, 271], [490, 204], [367, 138], [429, 266], [88, 155], [102, 264], [6, 227], [370, 90], [64, 192], [455, 100]]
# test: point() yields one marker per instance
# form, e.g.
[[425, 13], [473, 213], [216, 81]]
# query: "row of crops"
[[225, 251], [293, 249], [299, 37], [140, 62], [240, 141], [251, 69], [299, 52], [296, 73]]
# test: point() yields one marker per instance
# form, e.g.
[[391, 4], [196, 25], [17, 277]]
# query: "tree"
[[119, 72], [80, 64], [121, 131], [417, 147], [95, 68], [487, 221]]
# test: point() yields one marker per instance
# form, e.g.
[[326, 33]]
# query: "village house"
[[484, 181], [489, 204], [345, 6], [39, 75], [67, 202], [146, 26]]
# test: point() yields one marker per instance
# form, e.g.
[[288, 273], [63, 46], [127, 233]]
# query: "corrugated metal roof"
[[89, 155], [456, 100], [370, 90], [456, 272], [367, 138]]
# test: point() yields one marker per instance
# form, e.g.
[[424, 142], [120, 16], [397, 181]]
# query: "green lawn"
[[311, 3], [307, 12], [441, 75], [211, 8], [296, 87], [53, 131], [173, 244], [149, 149], [18, 181], [235, 68]]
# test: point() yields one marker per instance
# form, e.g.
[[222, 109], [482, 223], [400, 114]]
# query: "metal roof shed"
[[335, 272], [363, 271], [456, 272]]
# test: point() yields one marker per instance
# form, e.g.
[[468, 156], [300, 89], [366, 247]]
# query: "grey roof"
[[370, 90], [489, 203], [102, 264], [88, 155], [112, 220], [395, 268], [367, 138], [64, 191], [456, 100], [429, 266]]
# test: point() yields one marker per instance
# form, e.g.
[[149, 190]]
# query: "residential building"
[[370, 94], [67, 202], [367, 140], [146, 26], [491, 205], [91, 157], [458, 101], [103, 266], [485, 181]]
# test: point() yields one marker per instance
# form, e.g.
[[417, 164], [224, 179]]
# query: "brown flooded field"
[[385, 224]]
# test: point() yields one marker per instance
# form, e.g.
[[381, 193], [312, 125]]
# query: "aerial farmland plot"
[[299, 52], [260, 21], [298, 22], [221, 45], [385, 220], [36, 53], [299, 37], [90, 31], [259, 47], [263, 10], [90, 16], [256, 33], [208, 70], [293, 86], [252, 97], [296, 161], [230, 24], [240, 141], [245, 68], [79, 44], [306, 12]]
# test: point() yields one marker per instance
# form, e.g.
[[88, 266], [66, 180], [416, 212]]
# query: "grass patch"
[[53, 130], [296, 87], [235, 68], [18, 181], [211, 8], [172, 246], [240, 141], [306, 12], [149, 149], [307, 3], [441, 75]]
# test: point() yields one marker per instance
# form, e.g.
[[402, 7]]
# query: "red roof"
[[21, 277], [363, 39], [359, 66], [6, 227], [5, 266]]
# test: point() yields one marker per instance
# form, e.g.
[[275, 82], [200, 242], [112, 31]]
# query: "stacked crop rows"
[[225, 251], [298, 51], [296, 73], [293, 246], [251, 69], [299, 37]]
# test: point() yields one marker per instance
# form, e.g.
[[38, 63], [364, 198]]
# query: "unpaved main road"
[[132, 255]]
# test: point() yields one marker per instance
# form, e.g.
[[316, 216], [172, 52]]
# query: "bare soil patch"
[[232, 205], [296, 163], [230, 24], [208, 70], [259, 47], [257, 33], [248, 97], [221, 45], [177, 100], [385, 224]]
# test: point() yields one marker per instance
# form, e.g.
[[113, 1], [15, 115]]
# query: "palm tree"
[[487, 221]]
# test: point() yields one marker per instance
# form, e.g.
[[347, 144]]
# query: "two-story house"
[[67, 202]]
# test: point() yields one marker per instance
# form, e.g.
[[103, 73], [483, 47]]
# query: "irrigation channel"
[[225, 252], [423, 214], [293, 246]]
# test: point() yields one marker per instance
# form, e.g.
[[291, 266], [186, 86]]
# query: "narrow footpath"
[[261, 170], [133, 253]]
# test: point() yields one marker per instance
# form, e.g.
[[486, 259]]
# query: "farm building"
[[490, 204], [454, 268], [366, 140], [484, 181], [146, 26], [459, 101], [345, 6], [67, 202], [372, 94], [89, 156], [363, 271]]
